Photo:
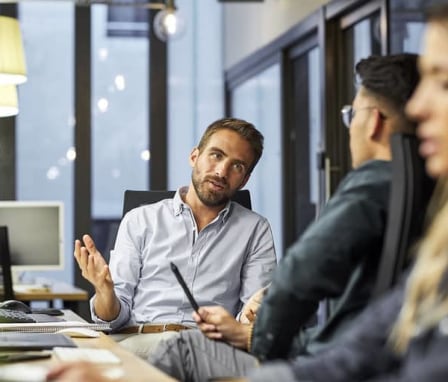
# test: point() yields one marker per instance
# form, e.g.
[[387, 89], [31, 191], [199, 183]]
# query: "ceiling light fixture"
[[169, 23]]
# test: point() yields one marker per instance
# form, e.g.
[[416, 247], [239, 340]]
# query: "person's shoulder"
[[373, 172], [368, 183], [235, 206], [149, 209], [374, 167], [237, 210]]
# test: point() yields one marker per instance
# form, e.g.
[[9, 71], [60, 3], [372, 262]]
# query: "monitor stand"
[[5, 256], [17, 277], [23, 282]]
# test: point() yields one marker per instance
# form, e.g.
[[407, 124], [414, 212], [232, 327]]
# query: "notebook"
[[51, 327], [33, 341]]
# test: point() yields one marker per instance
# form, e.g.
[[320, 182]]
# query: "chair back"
[[411, 190], [133, 198]]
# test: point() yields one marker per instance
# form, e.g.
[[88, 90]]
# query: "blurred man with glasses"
[[336, 258]]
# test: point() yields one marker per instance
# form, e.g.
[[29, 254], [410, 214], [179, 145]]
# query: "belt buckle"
[[164, 329], [140, 328]]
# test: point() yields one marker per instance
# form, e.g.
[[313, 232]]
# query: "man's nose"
[[222, 169]]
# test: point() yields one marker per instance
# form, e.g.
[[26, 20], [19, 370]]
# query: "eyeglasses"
[[348, 113]]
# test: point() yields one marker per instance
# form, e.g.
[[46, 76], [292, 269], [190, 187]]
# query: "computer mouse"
[[15, 305]]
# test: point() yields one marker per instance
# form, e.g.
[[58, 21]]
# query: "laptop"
[[33, 341]]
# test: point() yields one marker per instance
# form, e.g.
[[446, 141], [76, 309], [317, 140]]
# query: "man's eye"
[[238, 167]]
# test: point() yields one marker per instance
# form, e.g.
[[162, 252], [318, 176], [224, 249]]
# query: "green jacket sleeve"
[[319, 265]]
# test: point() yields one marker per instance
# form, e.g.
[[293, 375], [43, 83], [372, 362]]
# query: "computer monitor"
[[35, 233]]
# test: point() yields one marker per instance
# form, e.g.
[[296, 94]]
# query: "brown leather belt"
[[153, 328]]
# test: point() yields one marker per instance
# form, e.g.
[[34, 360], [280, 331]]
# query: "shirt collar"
[[179, 204], [224, 213]]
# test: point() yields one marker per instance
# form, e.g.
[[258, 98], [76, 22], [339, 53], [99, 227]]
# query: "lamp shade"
[[12, 57], [8, 101]]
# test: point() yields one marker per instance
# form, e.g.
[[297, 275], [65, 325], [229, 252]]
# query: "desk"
[[69, 294], [135, 369]]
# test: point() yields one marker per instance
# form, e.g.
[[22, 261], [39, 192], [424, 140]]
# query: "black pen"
[[184, 286]]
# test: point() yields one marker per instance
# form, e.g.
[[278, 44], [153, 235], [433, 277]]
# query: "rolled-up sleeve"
[[260, 262], [125, 265]]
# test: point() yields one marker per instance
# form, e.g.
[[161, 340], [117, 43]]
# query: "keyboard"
[[86, 354], [8, 316]]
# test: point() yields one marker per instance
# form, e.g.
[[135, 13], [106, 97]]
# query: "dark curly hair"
[[393, 78]]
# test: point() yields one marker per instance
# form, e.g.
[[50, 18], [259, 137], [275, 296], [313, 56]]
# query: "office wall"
[[249, 26]]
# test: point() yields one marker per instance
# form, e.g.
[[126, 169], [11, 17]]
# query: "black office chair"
[[8, 292], [411, 190], [133, 199]]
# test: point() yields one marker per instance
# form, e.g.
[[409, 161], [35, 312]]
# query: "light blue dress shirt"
[[224, 264]]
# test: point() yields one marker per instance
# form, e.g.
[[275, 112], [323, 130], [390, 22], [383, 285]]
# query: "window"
[[258, 101], [45, 123], [120, 140], [195, 84], [303, 143]]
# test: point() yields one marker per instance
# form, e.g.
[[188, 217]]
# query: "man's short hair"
[[391, 78], [245, 129]]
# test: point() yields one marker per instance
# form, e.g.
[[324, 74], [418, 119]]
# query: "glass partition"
[[258, 101]]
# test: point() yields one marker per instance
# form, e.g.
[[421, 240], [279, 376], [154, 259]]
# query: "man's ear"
[[194, 156], [376, 128]]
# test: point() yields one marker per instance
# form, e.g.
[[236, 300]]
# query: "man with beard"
[[224, 250]]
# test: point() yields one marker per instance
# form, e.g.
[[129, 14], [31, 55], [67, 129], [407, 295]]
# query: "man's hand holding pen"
[[218, 324]]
